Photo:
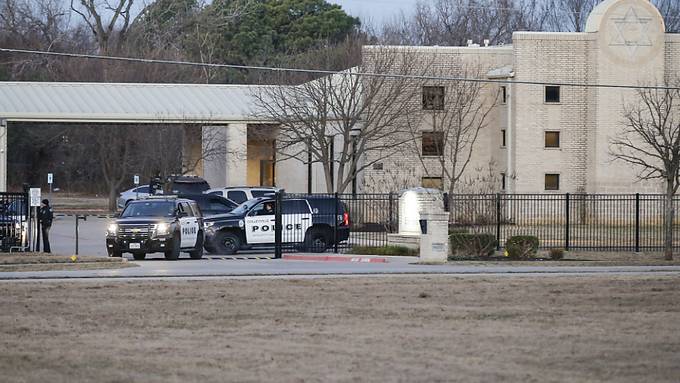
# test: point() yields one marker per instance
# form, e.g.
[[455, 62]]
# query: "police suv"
[[164, 224], [313, 224]]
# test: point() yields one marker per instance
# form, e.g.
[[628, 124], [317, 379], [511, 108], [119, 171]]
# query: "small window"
[[237, 196], [504, 94], [552, 182], [265, 208], [552, 94], [433, 97], [502, 138], [502, 181], [432, 182], [552, 139], [433, 143]]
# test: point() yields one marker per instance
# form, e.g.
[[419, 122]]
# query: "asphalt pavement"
[[92, 239]]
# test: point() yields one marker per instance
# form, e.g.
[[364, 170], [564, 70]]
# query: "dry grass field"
[[427, 329]]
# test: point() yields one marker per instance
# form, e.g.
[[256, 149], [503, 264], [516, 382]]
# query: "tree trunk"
[[112, 198], [669, 215]]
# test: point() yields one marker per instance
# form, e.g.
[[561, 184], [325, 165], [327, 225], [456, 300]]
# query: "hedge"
[[472, 245], [521, 247]]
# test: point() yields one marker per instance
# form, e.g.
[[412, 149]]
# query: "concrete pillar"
[[237, 155], [192, 151], [215, 162], [3, 155]]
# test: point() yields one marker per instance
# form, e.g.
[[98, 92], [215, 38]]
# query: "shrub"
[[474, 245], [556, 254], [522, 247], [385, 250]]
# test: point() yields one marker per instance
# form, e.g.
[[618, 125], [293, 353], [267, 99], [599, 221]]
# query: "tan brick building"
[[550, 138]]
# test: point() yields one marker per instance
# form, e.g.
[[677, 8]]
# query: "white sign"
[[136, 180], [34, 194], [50, 177]]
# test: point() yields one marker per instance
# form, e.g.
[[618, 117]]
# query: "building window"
[[552, 182], [433, 98], [502, 181], [552, 139], [552, 94], [431, 182], [504, 94], [433, 143], [502, 138]]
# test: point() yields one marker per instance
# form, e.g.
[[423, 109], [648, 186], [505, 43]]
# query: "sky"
[[376, 11]]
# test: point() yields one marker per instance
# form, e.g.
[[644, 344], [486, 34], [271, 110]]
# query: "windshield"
[[243, 208], [149, 209]]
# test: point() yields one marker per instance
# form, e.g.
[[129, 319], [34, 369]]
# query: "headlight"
[[162, 228], [208, 224], [112, 229]]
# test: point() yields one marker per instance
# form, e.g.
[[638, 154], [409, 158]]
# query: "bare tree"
[[454, 22], [455, 114], [650, 140], [107, 19], [568, 15], [361, 118]]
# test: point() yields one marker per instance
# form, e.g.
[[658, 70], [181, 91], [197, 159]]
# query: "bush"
[[556, 254], [385, 250], [521, 247], [474, 245]]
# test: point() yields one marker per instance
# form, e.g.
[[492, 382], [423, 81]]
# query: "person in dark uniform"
[[156, 184], [45, 216]]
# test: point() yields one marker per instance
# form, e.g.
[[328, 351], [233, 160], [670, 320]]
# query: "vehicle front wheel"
[[197, 253], [139, 256], [316, 241], [173, 254], [227, 243]]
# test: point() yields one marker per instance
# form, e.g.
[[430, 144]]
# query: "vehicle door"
[[188, 224], [296, 218], [260, 223]]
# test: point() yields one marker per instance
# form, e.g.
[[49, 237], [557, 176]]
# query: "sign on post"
[[35, 198], [136, 180], [50, 178]]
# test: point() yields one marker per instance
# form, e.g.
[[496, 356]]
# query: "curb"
[[333, 258]]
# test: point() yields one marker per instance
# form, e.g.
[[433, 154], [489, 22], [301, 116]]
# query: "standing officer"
[[45, 217]]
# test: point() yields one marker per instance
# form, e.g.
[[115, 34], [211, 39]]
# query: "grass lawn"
[[425, 328]]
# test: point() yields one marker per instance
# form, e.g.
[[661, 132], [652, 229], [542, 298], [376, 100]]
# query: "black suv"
[[157, 224], [311, 223]]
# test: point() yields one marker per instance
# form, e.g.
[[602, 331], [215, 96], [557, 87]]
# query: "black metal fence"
[[334, 222], [14, 221], [609, 222]]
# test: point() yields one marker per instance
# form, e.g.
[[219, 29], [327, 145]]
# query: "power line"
[[330, 72]]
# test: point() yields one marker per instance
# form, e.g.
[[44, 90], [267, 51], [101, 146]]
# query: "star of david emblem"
[[631, 31]]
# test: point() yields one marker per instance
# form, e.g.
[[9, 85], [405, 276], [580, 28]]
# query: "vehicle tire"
[[198, 250], [227, 242], [316, 241], [139, 256], [116, 254], [173, 254]]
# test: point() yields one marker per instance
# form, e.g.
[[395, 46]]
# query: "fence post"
[[637, 222], [278, 227], [335, 226], [567, 216], [498, 221], [391, 214]]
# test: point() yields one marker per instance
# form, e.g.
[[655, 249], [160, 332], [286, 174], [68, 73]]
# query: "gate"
[[15, 222], [333, 222]]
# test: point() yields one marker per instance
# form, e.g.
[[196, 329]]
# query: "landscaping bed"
[[10, 262]]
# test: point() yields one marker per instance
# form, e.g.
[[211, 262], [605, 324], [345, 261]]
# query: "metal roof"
[[133, 102]]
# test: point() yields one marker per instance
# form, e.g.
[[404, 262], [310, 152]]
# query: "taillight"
[[345, 219]]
